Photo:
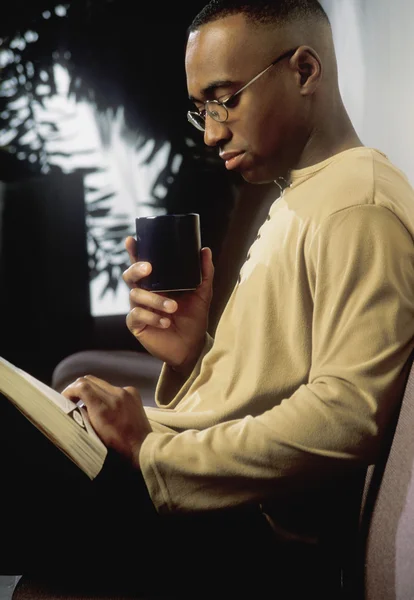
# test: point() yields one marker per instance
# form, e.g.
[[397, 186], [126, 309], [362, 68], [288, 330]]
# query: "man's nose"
[[215, 132]]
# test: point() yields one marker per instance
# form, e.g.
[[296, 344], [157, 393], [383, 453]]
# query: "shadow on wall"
[[44, 305], [111, 69]]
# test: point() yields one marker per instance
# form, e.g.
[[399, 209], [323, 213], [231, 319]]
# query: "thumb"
[[207, 271], [131, 248]]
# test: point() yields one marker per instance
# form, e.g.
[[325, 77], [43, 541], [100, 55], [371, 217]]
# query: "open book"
[[65, 423]]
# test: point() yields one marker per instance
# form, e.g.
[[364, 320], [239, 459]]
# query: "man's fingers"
[[207, 270], [131, 248], [137, 270], [135, 273], [133, 391], [90, 389], [207, 267], [101, 383], [139, 318], [149, 300]]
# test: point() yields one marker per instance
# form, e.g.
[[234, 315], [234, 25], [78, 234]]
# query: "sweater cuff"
[[154, 481]]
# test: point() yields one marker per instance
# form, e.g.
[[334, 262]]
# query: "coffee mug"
[[172, 244]]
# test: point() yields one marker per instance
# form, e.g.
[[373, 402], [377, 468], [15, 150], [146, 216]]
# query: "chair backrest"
[[387, 522]]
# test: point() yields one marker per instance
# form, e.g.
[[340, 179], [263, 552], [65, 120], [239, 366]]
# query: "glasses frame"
[[198, 119]]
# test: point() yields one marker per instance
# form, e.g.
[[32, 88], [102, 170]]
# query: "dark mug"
[[172, 244]]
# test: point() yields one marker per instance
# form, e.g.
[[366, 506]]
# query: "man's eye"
[[214, 113], [232, 102]]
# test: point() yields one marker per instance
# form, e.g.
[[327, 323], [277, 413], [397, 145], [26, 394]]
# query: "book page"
[[79, 414], [64, 403], [64, 422]]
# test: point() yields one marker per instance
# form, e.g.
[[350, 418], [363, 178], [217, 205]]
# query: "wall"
[[44, 305], [374, 41]]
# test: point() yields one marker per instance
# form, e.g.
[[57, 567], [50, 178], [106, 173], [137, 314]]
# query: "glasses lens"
[[196, 120], [217, 111]]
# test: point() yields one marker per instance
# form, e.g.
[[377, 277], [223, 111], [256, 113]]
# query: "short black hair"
[[260, 11]]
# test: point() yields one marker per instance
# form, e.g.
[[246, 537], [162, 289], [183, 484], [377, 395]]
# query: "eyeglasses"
[[219, 109]]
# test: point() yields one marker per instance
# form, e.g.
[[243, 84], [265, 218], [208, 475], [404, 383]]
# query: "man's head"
[[269, 123]]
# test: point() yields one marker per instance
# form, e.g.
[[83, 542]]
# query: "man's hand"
[[117, 414], [171, 329]]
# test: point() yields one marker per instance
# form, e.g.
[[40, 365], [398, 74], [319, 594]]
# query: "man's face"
[[265, 127]]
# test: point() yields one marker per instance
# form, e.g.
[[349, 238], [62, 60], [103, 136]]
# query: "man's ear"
[[308, 69]]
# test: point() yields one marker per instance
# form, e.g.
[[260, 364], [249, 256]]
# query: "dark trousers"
[[106, 533]]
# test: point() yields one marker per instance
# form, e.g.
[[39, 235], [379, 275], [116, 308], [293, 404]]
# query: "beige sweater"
[[307, 362]]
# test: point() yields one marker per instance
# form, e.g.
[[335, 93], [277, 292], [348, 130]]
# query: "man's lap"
[[58, 523]]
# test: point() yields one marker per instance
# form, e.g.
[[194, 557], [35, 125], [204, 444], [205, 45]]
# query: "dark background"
[[118, 53]]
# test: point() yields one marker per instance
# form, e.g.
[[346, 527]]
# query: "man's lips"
[[232, 159]]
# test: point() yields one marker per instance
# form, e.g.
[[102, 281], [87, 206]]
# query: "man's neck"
[[327, 141]]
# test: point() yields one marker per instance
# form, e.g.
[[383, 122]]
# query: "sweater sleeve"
[[171, 387], [360, 268]]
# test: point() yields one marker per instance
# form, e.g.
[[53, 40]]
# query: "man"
[[262, 434]]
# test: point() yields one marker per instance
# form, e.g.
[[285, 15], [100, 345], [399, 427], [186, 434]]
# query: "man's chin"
[[256, 171], [255, 177]]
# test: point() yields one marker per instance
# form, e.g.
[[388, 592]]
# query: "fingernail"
[[143, 268], [169, 305], [165, 323]]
